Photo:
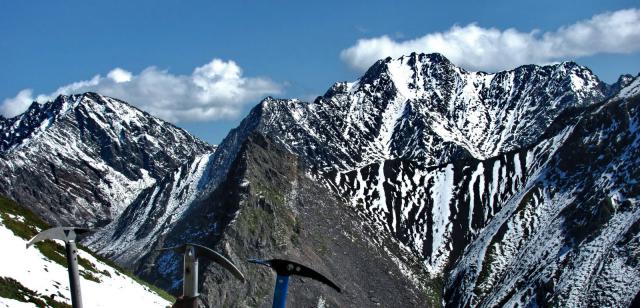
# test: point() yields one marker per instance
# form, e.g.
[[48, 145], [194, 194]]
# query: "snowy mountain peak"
[[39, 117], [421, 76], [419, 60], [36, 118], [625, 79], [93, 155]]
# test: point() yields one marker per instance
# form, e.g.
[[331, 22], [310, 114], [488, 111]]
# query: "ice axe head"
[[66, 234], [290, 268], [191, 254]]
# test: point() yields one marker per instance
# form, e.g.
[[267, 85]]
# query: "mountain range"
[[421, 183]]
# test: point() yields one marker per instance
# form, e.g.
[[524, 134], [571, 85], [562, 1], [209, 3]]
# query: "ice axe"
[[284, 269], [68, 235], [190, 269]]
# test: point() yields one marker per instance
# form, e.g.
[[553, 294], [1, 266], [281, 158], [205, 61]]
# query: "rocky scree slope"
[[82, 159]]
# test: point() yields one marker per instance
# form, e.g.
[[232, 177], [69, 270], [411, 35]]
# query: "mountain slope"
[[571, 237], [436, 164], [37, 277], [151, 214], [82, 159]]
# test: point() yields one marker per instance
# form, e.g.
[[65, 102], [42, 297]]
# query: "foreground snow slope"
[[38, 276]]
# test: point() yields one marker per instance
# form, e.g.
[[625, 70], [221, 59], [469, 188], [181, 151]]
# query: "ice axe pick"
[[68, 235]]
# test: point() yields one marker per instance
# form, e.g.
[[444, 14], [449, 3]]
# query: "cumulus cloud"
[[213, 91], [119, 75], [491, 49], [16, 105]]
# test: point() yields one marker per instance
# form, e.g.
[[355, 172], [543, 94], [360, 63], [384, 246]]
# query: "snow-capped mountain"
[[483, 189], [82, 159], [424, 108], [38, 277], [416, 108], [464, 188]]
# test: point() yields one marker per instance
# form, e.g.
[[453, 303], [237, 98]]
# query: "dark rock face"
[[82, 159], [267, 207]]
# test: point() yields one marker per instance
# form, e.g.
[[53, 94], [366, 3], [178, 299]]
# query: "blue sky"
[[279, 48]]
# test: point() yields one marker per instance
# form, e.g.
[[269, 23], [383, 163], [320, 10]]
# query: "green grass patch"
[[89, 276], [272, 196], [54, 251], [254, 217], [11, 288], [11, 207], [19, 220], [18, 228], [90, 267]]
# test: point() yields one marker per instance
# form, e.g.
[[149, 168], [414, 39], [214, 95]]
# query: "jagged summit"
[[631, 88], [422, 107]]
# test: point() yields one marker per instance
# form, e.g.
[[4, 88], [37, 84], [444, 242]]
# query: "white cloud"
[[491, 49], [119, 75], [17, 104], [213, 91]]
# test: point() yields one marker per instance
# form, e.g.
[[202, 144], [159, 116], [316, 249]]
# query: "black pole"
[[74, 280]]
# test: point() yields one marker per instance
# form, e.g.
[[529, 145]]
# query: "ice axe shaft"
[[74, 278], [280, 292], [68, 235]]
